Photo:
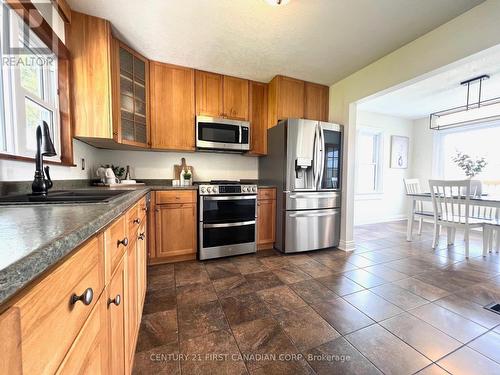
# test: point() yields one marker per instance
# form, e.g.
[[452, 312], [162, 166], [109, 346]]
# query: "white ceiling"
[[442, 90], [316, 40]]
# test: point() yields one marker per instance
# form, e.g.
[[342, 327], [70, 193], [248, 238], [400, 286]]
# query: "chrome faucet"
[[44, 147]]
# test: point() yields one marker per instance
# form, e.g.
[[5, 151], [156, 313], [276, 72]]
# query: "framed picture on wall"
[[399, 152]]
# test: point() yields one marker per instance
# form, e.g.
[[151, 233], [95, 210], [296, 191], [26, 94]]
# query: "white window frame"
[[378, 163], [438, 151], [15, 95]]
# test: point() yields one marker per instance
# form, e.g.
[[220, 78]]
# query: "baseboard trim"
[[382, 220], [347, 246]]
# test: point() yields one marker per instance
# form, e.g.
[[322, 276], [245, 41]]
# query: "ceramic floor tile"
[[470, 310], [262, 341], [424, 290], [433, 370], [281, 299], [232, 286], [290, 274], [287, 366], [428, 340], [466, 361], [450, 323], [312, 291], [342, 316], [219, 269], [162, 360], [262, 280], [306, 328], [199, 320], [215, 353], [372, 305], [488, 345], [386, 273], [243, 308], [364, 278], [159, 300], [482, 294], [386, 351], [157, 329], [340, 285], [339, 357], [195, 294], [399, 296], [248, 264], [315, 269]]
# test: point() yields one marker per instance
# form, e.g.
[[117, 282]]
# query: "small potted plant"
[[471, 167], [187, 178]]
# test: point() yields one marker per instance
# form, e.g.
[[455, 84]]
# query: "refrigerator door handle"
[[322, 156], [317, 153]]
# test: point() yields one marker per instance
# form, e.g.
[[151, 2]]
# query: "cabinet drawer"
[[142, 209], [89, 352], [134, 220], [267, 194], [175, 196], [50, 321], [116, 240]]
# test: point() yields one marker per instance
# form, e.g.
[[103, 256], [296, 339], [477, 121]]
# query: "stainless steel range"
[[227, 219]]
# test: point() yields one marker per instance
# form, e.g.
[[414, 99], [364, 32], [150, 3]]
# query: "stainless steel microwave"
[[214, 133]]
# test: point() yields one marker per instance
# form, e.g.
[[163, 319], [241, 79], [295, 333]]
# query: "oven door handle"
[[230, 198], [227, 225]]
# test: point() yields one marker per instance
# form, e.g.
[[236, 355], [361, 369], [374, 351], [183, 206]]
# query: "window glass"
[[368, 162], [28, 89]]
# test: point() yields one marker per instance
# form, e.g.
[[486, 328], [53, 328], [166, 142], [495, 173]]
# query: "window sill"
[[32, 160], [369, 196]]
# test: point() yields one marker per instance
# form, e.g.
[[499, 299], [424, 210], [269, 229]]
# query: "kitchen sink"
[[64, 197]]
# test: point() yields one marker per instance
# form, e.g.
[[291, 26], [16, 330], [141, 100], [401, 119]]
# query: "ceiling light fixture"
[[469, 114], [277, 2]]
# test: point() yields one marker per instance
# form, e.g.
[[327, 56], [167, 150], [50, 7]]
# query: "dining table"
[[484, 200]]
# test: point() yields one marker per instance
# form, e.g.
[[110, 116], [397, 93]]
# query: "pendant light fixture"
[[470, 114], [277, 2]]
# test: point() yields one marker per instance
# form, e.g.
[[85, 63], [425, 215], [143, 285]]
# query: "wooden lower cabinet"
[[266, 219], [117, 313], [83, 316], [175, 227], [89, 353]]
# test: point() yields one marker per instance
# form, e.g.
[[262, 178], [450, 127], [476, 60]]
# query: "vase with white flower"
[[471, 166]]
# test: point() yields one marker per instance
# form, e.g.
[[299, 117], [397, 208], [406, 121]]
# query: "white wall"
[[456, 40], [423, 152], [207, 166], [391, 203], [143, 165], [11, 170]]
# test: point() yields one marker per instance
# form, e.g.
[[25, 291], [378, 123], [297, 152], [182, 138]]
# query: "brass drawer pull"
[[86, 297]]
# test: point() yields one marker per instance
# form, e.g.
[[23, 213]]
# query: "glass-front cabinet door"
[[133, 87], [332, 163]]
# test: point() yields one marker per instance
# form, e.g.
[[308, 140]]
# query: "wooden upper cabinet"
[[235, 98], [258, 118], [316, 101], [89, 40], [172, 107], [109, 85], [130, 96], [286, 99], [209, 94]]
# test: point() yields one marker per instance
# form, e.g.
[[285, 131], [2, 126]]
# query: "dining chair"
[[452, 210], [412, 186]]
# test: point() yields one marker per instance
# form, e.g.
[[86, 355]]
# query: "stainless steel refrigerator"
[[304, 162]]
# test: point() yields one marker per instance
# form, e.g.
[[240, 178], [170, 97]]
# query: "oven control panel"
[[227, 189]]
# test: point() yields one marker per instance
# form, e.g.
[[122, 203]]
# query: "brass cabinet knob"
[[86, 297], [123, 242], [116, 301]]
